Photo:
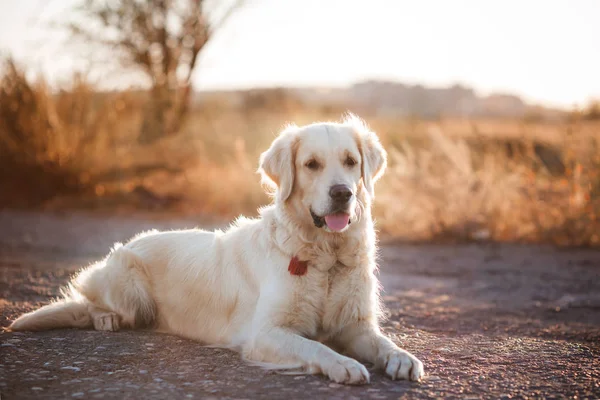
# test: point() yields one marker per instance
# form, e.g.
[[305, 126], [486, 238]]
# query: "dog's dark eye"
[[350, 162], [312, 164]]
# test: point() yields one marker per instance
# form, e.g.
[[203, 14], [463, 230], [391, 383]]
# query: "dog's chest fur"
[[333, 292]]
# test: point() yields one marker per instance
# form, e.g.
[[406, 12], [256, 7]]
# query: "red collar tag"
[[297, 267]]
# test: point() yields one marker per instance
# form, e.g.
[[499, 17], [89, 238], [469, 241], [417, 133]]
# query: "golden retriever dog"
[[293, 288]]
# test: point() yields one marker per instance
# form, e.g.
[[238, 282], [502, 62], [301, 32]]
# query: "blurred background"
[[489, 110]]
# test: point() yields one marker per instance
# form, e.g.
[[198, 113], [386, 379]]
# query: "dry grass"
[[448, 179], [50, 142], [445, 190]]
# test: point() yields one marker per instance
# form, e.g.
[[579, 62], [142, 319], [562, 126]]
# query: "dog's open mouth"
[[335, 222]]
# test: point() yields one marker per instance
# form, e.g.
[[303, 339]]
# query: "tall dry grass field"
[[447, 179]]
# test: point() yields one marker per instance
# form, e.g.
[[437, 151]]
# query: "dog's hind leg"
[[109, 295], [119, 290]]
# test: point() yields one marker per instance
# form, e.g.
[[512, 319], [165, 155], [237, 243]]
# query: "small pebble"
[[75, 369]]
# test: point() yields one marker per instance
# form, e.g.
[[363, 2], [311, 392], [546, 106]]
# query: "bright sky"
[[547, 51]]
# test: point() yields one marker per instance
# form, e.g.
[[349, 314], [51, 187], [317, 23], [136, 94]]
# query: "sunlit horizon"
[[540, 51]]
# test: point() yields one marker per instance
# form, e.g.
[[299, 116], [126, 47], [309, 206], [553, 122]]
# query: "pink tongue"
[[337, 222]]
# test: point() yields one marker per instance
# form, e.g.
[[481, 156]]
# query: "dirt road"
[[488, 321]]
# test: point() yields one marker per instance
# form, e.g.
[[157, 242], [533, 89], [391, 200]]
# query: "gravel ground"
[[488, 321]]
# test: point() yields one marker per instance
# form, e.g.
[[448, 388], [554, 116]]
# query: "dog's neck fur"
[[353, 248]]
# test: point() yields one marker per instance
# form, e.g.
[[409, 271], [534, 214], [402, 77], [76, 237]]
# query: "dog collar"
[[297, 267]]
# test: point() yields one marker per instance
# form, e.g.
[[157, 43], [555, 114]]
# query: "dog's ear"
[[277, 164], [374, 156]]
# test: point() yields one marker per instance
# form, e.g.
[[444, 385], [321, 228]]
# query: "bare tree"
[[160, 38]]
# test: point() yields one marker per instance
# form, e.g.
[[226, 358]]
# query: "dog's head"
[[325, 172]]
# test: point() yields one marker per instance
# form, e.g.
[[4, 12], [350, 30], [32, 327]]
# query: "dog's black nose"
[[340, 193]]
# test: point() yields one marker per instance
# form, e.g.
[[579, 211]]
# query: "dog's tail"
[[64, 313]]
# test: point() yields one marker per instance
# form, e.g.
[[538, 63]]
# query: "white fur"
[[233, 289]]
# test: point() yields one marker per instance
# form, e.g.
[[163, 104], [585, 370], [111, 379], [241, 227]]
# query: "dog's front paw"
[[348, 371], [400, 364]]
